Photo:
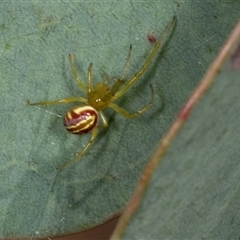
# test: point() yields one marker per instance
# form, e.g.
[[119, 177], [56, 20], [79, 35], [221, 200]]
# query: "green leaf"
[[36, 38], [194, 192]]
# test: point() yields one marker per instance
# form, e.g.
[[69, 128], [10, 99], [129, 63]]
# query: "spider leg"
[[104, 120], [132, 115], [90, 86], [119, 81], [79, 155], [105, 77], [74, 72], [126, 64], [64, 100], [161, 42]]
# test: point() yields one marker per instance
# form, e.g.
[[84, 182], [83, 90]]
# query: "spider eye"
[[81, 119]]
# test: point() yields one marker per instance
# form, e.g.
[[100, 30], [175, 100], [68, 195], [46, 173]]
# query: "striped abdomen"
[[80, 119]]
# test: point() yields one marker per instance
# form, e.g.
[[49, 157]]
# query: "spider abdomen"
[[80, 119]]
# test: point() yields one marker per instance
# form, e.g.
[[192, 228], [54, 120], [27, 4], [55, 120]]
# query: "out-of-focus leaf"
[[35, 40], [194, 192]]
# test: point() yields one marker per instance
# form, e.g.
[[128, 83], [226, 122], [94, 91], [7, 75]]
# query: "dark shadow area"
[[102, 232]]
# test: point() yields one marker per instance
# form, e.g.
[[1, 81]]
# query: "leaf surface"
[[35, 40]]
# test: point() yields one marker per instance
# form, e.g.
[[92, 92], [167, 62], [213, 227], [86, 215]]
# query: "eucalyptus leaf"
[[194, 192], [35, 40]]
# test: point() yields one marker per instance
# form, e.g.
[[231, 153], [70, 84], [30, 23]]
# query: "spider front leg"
[[64, 100], [126, 64], [90, 86], [74, 72], [132, 115], [135, 77]]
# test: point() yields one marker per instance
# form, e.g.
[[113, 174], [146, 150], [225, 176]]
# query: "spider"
[[84, 118]]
